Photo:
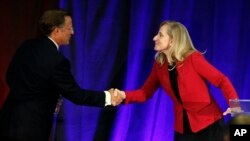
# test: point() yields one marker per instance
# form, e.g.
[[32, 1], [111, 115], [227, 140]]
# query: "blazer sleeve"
[[146, 91], [67, 86], [214, 76]]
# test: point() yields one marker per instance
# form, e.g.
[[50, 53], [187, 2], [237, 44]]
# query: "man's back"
[[28, 110]]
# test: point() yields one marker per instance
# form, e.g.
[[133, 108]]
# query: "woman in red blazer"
[[182, 71]]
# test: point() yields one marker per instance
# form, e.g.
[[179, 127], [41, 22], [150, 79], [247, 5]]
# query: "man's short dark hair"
[[51, 19]]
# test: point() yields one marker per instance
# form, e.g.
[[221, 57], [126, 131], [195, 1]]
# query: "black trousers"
[[214, 132]]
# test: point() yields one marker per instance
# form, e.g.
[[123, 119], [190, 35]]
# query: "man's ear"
[[56, 30]]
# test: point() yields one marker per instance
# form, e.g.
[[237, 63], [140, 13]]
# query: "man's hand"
[[117, 96]]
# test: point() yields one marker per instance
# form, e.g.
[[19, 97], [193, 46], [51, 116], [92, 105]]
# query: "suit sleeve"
[[146, 91], [214, 76], [68, 87]]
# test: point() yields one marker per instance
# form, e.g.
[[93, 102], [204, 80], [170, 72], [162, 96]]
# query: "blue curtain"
[[112, 47]]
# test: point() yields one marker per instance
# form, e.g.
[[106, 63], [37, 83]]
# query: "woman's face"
[[162, 40]]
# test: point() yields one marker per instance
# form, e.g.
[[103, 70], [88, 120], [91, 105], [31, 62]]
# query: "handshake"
[[117, 96]]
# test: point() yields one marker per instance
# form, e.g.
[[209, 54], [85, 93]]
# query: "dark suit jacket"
[[37, 75]]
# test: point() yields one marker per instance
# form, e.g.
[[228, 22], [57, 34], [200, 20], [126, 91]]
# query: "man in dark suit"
[[37, 76]]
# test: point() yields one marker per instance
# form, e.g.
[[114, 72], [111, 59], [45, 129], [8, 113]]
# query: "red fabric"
[[193, 72]]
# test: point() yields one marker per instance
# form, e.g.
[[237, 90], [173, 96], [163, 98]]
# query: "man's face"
[[65, 32]]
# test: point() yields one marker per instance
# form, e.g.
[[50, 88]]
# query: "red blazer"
[[202, 109]]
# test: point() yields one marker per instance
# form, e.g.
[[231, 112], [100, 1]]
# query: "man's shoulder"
[[38, 44], [36, 40]]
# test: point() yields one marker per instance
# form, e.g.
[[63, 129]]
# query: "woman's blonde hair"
[[181, 43]]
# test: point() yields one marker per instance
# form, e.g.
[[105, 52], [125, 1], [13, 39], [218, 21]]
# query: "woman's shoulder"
[[193, 54]]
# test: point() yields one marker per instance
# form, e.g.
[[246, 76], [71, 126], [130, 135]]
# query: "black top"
[[173, 74]]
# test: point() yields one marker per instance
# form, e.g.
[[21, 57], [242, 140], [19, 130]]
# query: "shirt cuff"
[[107, 98]]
